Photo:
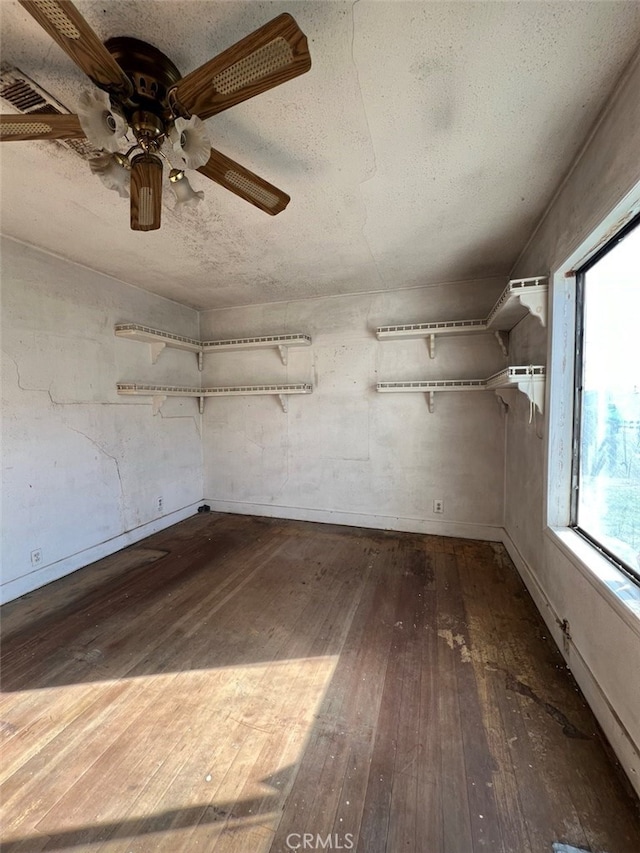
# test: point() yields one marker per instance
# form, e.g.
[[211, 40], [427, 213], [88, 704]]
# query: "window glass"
[[607, 472]]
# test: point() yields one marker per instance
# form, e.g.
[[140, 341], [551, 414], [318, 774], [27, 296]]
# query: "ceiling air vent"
[[28, 98]]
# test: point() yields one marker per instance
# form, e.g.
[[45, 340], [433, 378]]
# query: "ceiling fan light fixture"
[[114, 170], [141, 93], [190, 141], [103, 127], [186, 196]]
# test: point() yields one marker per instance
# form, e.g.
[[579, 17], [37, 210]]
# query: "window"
[[606, 454]]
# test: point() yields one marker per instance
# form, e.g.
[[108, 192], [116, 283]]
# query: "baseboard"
[[616, 733], [459, 529], [27, 583]]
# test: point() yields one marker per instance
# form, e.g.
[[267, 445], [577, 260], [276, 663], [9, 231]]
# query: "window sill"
[[612, 584]]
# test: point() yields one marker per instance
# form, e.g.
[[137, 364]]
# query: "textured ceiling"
[[423, 145]]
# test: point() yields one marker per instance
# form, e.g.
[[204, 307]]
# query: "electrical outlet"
[[438, 505], [159, 504], [36, 557]]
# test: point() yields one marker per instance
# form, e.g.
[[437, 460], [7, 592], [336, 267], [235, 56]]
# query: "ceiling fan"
[[142, 93]]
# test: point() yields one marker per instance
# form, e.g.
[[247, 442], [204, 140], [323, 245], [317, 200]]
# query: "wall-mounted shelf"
[[521, 296], [159, 393], [281, 342], [529, 379], [158, 340], [430, 331]]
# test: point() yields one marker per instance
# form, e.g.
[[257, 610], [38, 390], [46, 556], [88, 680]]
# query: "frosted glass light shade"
[[186, 196], [102, 126], [190, 141], [114, 171]]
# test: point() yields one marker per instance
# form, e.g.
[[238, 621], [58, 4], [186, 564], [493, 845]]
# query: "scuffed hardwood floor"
[[234, 683]]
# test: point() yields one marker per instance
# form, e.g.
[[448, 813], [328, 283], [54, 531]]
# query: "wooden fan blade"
[[39, 126], [271, 55], [146, 192], [68, 28], [244, 183]]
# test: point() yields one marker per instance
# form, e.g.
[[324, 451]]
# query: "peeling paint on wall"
[[82, 468]]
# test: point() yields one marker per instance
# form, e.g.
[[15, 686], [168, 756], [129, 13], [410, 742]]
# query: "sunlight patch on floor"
[[174, 760]]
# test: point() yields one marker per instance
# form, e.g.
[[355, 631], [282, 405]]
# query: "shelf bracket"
[[156, 348], [283, 401], [502, 402], [201, 404], [534, 391], [503, 341], [536, 304], [284, 354], [431, 343], [430, 395], [157, 401], [200, 360]]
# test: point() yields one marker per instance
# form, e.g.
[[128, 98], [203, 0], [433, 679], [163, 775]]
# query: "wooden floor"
[[235, 683]]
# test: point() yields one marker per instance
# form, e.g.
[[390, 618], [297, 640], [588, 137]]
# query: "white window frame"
[[610, 581]]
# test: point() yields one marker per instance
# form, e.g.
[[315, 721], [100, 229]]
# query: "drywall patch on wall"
[[82, 467]]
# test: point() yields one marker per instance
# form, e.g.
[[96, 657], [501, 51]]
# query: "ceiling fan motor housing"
[[152, 74]]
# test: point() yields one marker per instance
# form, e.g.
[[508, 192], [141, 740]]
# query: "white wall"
[[346, 453], [604, 652], [83, 467]]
